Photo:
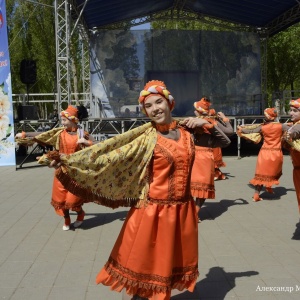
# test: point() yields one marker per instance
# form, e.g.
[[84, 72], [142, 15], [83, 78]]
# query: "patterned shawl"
[[114, 172], [254, 137], [50, 137]]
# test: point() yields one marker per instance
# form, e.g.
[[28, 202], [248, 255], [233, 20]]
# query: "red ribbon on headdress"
[[71, 113]]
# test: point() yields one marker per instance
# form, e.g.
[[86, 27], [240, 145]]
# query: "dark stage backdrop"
[[224, 66], [186, 92]]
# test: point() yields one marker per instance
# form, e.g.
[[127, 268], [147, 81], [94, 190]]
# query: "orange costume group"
[[157, 176]]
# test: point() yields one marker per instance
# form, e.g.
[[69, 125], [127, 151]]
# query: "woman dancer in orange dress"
[[202, 178], [270, 159], [67, 139], [149, 169], [292, 136]]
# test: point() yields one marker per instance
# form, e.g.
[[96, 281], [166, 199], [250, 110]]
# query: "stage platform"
[[247, 250]]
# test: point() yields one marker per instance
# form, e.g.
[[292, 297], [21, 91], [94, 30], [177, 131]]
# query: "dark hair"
[[82, 112]]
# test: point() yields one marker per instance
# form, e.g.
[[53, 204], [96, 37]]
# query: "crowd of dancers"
[[164, 171]]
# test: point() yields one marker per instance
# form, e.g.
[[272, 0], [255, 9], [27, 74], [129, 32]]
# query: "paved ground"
[[247, 250]]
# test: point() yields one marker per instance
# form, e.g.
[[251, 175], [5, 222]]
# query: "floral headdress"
[[71, 113], [202, 106], [295, 103], [155, 87], [270, 113]]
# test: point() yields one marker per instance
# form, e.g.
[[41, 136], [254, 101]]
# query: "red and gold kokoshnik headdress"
[[155, 87], [295, 103], [202, 106], [71, 113], [270, 113]]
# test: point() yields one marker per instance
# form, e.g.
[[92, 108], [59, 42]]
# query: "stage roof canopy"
[[269, 16]]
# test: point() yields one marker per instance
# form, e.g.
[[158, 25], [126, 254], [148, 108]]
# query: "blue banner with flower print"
[[7, 145]]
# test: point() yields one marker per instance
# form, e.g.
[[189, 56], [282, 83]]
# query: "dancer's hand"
[[221, 115], [18, 135], [54, 164], [83, 141]]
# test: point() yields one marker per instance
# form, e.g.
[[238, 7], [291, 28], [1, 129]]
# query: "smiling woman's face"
[[67, 123], [294, 114], [158, 110]]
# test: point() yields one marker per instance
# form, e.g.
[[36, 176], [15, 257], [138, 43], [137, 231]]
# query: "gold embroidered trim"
[[64, 205], [271, 149], [167, 148], [169, 202], [202, 186], [266, 178], [151, 283]]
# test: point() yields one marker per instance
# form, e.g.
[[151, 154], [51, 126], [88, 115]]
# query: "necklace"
[[166, 127], [169, 131]]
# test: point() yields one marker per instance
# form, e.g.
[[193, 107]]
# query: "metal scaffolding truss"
[[62, 30], [285, 20], [82, 29], [67, 20]]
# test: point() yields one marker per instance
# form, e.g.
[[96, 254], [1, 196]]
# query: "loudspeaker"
[[28, 71], [27, 112]]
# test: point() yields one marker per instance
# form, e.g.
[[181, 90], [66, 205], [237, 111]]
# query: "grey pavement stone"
[[6, 293], [40, 293], [242, 244]]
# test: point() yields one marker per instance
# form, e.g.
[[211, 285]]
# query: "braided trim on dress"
[[271, 149], [202, 186], [168, 201], [261, 177], [151, 283], [63, 205]]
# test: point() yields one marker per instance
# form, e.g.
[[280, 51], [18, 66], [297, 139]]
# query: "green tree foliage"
[[31, 31], [192, 23], [283, 60], [32, 36]]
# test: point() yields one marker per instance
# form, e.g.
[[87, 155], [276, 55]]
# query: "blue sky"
[[141, 26]]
